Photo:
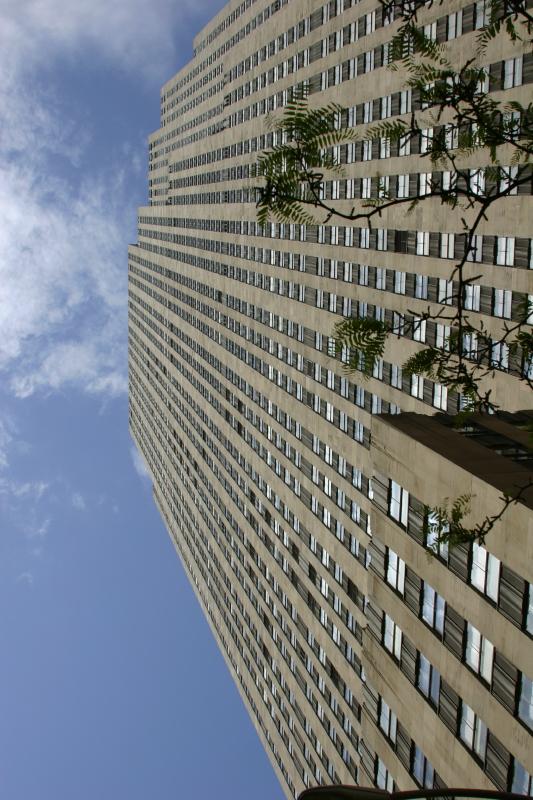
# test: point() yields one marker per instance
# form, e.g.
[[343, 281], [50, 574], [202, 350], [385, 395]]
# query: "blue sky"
[[111, 685]]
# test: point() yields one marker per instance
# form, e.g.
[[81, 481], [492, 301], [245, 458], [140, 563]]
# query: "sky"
[[111, 685]]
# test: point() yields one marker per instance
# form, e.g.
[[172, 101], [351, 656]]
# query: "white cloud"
[[78, 502], [139, 464], [63, 243], [6, 439], [30, 490], [132, 34], [62, 279], [38, 530], [25, 577]]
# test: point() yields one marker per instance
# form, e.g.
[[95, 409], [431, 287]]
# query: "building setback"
[[296, 495]]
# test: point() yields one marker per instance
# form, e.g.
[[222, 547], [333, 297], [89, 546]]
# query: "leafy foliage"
[[366, 337], [452, 102], [448, 523], [444, 523], [294, 170]]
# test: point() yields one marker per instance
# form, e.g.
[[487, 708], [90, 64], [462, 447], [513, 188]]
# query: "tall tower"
[[295, 494]]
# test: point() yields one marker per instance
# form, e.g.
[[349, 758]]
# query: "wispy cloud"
[[30, 490], [131, 34], [6, 438], [139, 464], [38, 530], [25, 577], [63, 241], [62, 284], [78, 501]]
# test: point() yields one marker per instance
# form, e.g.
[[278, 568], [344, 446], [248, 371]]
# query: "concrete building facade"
[[297, 495]]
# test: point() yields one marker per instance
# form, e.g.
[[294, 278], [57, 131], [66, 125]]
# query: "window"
[[440, 396], [455, 25], [399, 282], [398, 503], [398, 325], [505, 250], [479, 653], [426, 140], [485, 572], [403, 186], [447, 245], [508, 176], [419, 329], [405, 101], [512, 119], [422, 243], [343, 421], [522, 780], [381, 278], [386, 106], [396, 376], [472, 296], [430, 31], [502, 302], [421, 287], [358, 431], [404, 145], [425, 183], [475, 252], [428, 679], [395, 571], [417, 386], [442, 336], [473, 731], [382, 776], [525, 702], [477, 181], [470, 345], [445, 291], [387, 721], [421, 768], [392, 637], [433, 608], [348, 269], [500, 355], [512, 72], [451, 134], [482, 13], [382, 244], [528, 621]]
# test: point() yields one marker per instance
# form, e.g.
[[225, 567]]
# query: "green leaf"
[[365, 335]]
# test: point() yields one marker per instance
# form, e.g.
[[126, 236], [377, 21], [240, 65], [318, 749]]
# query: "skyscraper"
[[296, 495]]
